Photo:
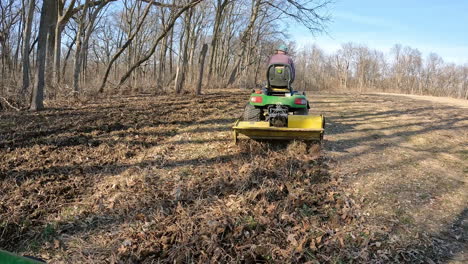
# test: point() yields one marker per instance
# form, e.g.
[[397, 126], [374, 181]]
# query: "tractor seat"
[[279, 79]]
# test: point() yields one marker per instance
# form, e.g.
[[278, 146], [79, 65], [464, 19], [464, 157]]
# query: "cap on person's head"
[[283, 48]]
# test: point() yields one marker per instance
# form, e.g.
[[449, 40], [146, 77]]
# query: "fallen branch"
[[9, 105]]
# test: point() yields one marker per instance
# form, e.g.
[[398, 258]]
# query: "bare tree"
[[183, 60], [85, 28], [124, 46], [220, 8], [202, 68], [26, 45], [166, 30], [37, 102], [150, 45]]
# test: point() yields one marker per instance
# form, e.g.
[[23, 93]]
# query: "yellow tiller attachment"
[[302, 127]]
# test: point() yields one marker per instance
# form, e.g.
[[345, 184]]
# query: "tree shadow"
[[23, 130], [69, 141], [442, 118], [396, 127], [210, 192], [450, 245], [74, 182]]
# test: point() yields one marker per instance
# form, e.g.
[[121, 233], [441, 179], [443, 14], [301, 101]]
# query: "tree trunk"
[[202, 68], [64, 66], [184, 62], [216, 27], [18, 42], [171, 55], [38, 90], [51, 46], [25, 49], [162, 64], [57, 52], [78, 51]]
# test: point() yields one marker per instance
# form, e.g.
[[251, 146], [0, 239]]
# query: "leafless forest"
[[59, 48], [70, 48], [360, 68]]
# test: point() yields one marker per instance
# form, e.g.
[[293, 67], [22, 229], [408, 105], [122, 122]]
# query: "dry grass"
[[148, 179], [407, 158]]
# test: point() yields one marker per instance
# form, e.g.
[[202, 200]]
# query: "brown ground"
[[143, 179], [407, 157]]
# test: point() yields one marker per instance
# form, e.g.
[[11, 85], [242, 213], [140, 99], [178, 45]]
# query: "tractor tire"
[[302, 111], [251, 113]]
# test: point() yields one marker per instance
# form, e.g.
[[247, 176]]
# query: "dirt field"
[[158, 179], [407, 158]]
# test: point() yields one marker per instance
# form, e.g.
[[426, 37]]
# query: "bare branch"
[[9, 105], [307, 16], [161, 36]]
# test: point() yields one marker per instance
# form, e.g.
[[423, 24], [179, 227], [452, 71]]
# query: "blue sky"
[[430, 26]]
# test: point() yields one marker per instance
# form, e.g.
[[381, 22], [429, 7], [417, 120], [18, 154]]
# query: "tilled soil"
[[159, 179]]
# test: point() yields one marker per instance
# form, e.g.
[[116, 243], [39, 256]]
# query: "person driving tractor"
[[282, 56]]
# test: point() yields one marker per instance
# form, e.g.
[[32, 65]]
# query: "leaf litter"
[[157, 179]]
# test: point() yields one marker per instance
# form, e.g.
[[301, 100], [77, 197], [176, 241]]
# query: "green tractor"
[[279, 112], [10, 258]]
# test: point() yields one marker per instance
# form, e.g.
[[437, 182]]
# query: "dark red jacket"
[[285, 59]]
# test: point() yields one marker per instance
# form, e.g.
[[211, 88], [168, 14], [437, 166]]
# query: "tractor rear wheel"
[[251, 113], [302, 111]]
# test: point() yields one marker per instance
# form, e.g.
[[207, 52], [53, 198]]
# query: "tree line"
[[67, 48], [356, 67], [62, 48]]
